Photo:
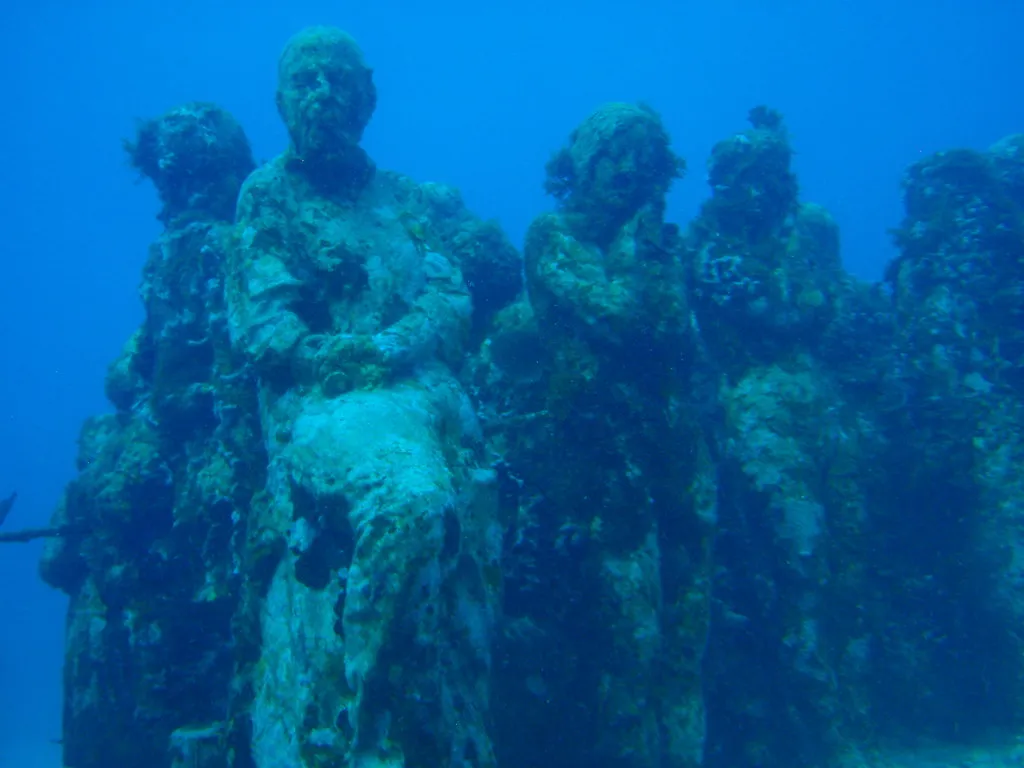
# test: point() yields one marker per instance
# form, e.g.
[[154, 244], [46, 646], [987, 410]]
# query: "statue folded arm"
[[263, 292], [571, 280], [437, 321]]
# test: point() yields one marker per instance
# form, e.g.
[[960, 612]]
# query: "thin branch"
[[31, 534], [5, 506]]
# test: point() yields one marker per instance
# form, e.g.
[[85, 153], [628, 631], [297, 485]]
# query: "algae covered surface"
[[379, 489]]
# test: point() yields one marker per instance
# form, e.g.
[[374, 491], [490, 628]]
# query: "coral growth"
[[689, 496]]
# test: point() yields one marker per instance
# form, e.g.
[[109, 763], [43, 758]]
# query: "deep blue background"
[[475, 94]]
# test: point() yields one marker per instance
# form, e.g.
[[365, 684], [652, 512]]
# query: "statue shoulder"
[[269, 182]]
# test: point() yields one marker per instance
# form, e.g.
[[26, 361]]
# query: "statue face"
[[325, 92], [618, 160]]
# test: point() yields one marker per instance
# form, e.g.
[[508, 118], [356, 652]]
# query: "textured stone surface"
[[687, 497]]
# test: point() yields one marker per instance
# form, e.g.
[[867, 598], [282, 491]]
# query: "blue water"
[[470, 94]]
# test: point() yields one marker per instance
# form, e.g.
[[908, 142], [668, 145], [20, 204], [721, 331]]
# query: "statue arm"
[[263, 293], [437, 321], [570, 279]]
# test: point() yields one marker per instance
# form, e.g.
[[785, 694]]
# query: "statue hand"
[[349, 361]]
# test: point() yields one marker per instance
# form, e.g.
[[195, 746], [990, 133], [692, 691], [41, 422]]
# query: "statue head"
[[326, 96], [617, 161], [197, 156]]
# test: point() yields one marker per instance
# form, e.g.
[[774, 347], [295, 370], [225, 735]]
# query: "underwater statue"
[[608, 580], [685, 498], [353, 311]]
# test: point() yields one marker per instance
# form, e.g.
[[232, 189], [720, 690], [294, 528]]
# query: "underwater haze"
[[480, 96]]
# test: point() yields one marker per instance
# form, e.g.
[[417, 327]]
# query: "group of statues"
[[678, 497]]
